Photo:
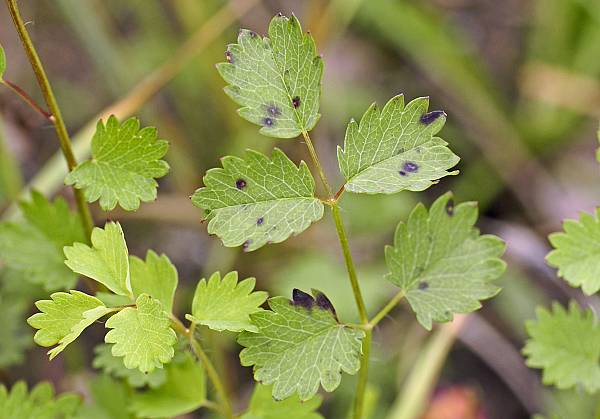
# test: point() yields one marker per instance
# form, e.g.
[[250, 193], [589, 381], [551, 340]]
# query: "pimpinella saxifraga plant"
[[153, 362]]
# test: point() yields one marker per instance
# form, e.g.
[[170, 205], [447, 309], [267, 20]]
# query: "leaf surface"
[[442, 263], [225, 304], [183, 391], [62, 319], [142, 335], [276, 80], [257, 200], [263, 406], [156, 276], [300, 345], [395, 149], [566, 345], [39, 403], [125, 162], [576, 252], [106, 261], [33, 247]]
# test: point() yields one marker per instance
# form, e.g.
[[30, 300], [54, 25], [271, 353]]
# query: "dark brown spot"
[[423, 285], [296, 101], [410, 166], [240, 184], [450, 207], [302, 299], [229, 57], [246, 245], [260, 221], [428, 118]]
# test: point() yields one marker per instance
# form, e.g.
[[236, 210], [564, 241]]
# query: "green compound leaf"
[[226, 304], [106, 261], [299, 345], [156, 276], [276, 80], [258, 200], [62, 319], [263, 406], [142, 335], [114, 366], [2, 62], [566, 345], [576, 252], [40, 403], [125, 161], [395, 149], [33, 247], [442, 263], [183, 391]]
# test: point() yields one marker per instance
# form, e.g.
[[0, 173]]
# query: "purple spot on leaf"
[[246, 245], [260, 221], [229, 57], [323, 302], [302, 299], [410, 167], [240, 184], [428, 118], [450, 207], [273, 110], [296, 101], [268, 122], [402, 173], [423, 285]]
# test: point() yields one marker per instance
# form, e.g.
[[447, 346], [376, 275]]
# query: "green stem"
[[317, 163], [360, 304], [385, 310], [56, 116], [213, 375]]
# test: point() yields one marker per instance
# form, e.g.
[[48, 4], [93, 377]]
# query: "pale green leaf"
[[184, 391], [258, 200], [106, 261], [40, 403], [114, 366], [142, 335], [2, 62], [442, 263], [33, 247], [395, 149], [111, 400], [276, 80], [263, 406], [15, 337], [225, 304], [566, 345], [299, 345], [125, 162], [156, 276], [62, 319], [576, 252]]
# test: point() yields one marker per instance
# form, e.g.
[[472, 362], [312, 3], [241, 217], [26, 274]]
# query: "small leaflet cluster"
[[439, 259]]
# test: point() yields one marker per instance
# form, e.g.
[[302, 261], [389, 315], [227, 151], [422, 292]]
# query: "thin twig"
[[27, 99]]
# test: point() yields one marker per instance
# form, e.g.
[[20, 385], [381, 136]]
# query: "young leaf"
[[114, 366], [442, 263], [395, 149], [566, 345], [125, 161], [40, 403], [142, 335], [276, 80], [106, 261], [576, 252], [2, 62], [226, 304], [263, 406], [33, 247], [300, 344], [184, 391], [62, 319], [258, 200], [156, 276]]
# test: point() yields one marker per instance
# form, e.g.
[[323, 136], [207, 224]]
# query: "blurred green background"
[[519, 80]]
